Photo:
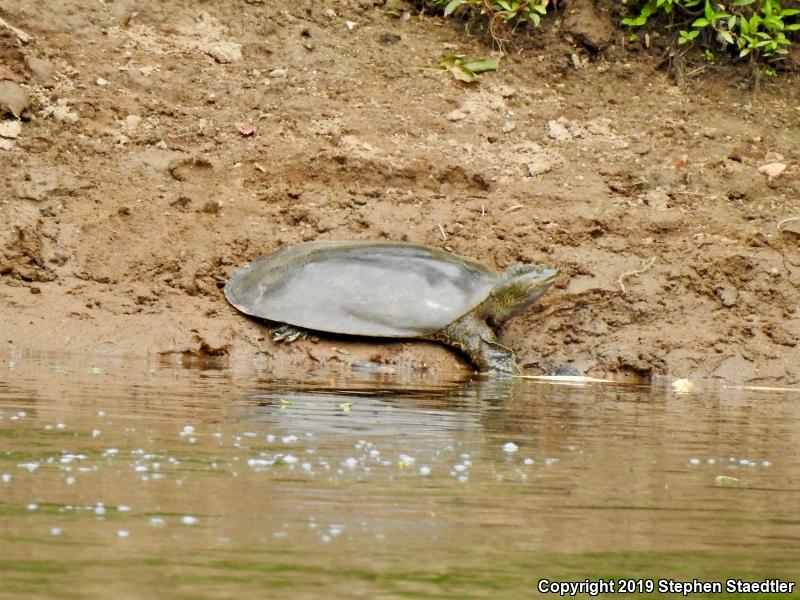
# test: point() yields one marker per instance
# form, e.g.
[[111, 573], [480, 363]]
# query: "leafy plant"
[[757, 27], [504, 15]]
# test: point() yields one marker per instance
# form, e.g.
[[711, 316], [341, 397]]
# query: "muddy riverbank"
[[162, 145]]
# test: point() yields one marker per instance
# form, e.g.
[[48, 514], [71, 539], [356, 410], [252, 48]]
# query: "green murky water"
[[132, 480]]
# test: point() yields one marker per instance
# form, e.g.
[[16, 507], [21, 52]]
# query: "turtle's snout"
[[538, 277], [548, 275]]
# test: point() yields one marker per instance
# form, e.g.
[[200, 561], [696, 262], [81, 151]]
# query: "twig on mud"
[[784, 221], [513, 208], [648, 264], [441, 230], [696, 71], [21, 35]]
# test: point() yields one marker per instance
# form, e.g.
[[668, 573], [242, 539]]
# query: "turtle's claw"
[[287, 333]]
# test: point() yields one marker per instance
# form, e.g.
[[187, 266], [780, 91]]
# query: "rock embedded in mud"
[[223, 52], [727, 294], [10, 129], [456, 115], [14, 99], [558, 131]]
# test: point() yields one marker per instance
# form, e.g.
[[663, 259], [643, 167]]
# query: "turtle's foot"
[[498, 360], [287, 333]]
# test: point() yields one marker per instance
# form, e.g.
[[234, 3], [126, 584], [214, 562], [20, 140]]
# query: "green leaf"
[[637, 22], [700, 23], [709, 11], [744, 52], [744, 27], [793, 27], [482, 65], [502, 4], [790, 12], [451, 6], [732, 23], [743, 2], [726, 35]]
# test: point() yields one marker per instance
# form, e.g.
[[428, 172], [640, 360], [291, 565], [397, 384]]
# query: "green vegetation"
[[749, 26], [504, 15], [754, 28]]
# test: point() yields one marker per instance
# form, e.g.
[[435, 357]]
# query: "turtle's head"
[[519, 286]]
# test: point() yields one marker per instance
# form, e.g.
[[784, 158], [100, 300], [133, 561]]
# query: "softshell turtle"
[[390, 290]]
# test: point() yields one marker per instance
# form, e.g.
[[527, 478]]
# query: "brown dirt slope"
[[129, 196]]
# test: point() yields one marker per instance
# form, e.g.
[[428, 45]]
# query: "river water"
[[143, 480]]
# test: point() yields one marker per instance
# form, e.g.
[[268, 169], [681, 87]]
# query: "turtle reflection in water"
[[390, 290]]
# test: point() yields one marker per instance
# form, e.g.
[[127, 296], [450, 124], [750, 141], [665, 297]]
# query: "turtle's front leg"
[[477, 340]]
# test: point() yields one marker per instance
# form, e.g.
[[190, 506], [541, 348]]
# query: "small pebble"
[[510, 447], [189, 520], [123, 533]]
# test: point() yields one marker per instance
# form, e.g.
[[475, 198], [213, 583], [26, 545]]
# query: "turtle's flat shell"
[[380, 289]]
